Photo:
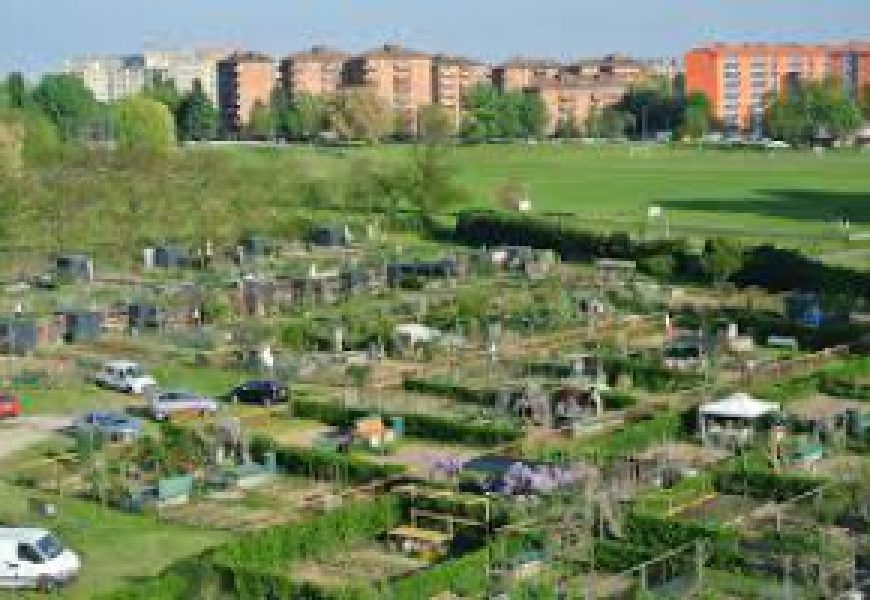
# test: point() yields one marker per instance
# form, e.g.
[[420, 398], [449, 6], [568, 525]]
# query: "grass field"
[[752, 193]]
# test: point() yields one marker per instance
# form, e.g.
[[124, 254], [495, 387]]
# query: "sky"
[[36, 35]]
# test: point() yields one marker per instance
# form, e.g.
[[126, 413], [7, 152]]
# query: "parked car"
[[112, 426], [34, 558], [165, 404], [10, 406], [265, 392], [124, 376]]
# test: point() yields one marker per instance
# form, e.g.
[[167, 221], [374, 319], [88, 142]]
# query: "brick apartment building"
[[740, 78], [452, 77], [317, 71], [521, 73], [572, 99], [400, 77], [244, 80]]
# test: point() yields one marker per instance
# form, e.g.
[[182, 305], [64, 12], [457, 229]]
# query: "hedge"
[[322, 463], [764, 485], [424, 426], [444, 387], [765, 266], [613, 399]]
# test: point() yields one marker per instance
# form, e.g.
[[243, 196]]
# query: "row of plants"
[[764, 485], [764, 266], [647, 374], [489, 397], [322, 463], [424, 426]]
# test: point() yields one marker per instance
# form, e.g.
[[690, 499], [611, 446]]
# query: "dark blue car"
[[264, 392]]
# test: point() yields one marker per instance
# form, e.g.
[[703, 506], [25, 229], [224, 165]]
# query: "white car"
[[165, 404], [34, 558], [124, 376]]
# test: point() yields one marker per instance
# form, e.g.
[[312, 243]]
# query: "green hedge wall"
[[764, 485], [431, 427], [322, 463]]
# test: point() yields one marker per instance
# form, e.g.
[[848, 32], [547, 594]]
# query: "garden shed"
[[141, 315], [257, 246], [18, 335], [81, 325], [168, 256], [732, 422], [442, 269], [331, 236], [74, 267]]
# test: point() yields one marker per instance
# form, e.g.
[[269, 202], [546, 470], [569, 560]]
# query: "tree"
[[568, 127], [361, 115], [435, 124], [304, 116], [721, 258], [808, 109], [196, 117], [262, 123], [16, 91], [483, 104], [67, 102], [144, 126], [697, 116], [164, 91], [533, 115], [608, 122]]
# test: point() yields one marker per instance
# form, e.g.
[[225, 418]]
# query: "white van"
[[34, 558], [124, 376]]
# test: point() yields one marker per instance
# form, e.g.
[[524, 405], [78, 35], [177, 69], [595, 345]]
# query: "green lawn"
[[114, 546], [786, 192]]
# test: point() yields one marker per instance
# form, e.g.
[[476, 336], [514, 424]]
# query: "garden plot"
[[279, 501], [723, 509], [365, 563], [419, 457]]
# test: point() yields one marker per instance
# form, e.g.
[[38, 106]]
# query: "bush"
[[322, 463], [432, 427]]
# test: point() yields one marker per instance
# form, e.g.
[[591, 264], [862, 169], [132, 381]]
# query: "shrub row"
[[322, 463], [425, 426], [451, 389], [764, 485], [764, 266]]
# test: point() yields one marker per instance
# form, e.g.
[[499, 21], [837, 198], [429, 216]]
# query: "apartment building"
[[110, 78], [573, 98], [851, 63], [452, 77], [317, 71], [245, 79], [185, 67], [740, 78], [399, 76], [521, 73], [113, 78]]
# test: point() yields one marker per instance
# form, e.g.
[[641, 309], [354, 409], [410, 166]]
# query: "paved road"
[[18, 434]]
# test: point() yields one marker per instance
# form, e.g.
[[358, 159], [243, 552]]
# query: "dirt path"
[[19, 434]]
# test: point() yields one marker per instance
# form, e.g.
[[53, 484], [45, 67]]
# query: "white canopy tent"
[[738, 409]]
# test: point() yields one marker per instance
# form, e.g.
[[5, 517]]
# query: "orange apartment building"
[[740, 78], [400, 77], [244, 80], [452, 77], [851, 63], [317, 71]]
